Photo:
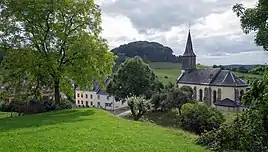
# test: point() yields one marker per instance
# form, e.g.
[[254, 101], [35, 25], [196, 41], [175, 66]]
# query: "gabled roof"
[[199, 76], [189, 46], [227, 78], [211, 76], [227, 103]]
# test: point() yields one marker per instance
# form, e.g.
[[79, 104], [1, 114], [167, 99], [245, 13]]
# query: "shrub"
[[166, 77], [138, 106], [245, 134], [65, 104], [199, 118]]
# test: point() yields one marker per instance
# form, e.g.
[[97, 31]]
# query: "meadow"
[[89, 130]]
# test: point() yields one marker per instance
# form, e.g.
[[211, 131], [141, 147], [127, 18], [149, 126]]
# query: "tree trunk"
[[57, 92], [179, 111]]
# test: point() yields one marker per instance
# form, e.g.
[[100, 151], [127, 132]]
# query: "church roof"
[[211, 76], [189, 46], [227, 103]]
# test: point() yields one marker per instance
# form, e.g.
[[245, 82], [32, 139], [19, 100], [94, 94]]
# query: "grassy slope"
[[89, 130], [170, 70]]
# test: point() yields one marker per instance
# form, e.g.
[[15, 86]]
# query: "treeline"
[[148, 51], [258, 69]]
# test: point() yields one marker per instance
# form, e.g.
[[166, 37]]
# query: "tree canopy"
[[255, 19], [51, 43], [133, 78], [149, 51]]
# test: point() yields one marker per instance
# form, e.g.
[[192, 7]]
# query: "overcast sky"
[[216, 33]]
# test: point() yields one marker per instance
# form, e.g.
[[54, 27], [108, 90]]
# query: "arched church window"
[[200, 95], [206, 94], [194, 95], [236, 94], [219, 94], [241, 95], [214, 96]]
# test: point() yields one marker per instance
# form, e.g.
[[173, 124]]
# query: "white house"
[[97, 98], [215, 87]]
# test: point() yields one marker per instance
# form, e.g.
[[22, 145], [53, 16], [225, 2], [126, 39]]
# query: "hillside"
[[166, 71], [150, 51], [89, 130]]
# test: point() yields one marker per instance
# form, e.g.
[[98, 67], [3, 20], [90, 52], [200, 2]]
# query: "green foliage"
[[254, 19], [134, 78], [49, 43], [246, 133], [177, 97], [150, 51], [199, 118], [138, 106]]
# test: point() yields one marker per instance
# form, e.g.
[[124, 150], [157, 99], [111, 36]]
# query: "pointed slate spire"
[[188, 57], [189, 46]]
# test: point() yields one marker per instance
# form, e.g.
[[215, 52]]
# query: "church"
[[215, 87]]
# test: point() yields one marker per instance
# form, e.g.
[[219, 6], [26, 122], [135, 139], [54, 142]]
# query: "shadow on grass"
[[165, 119], [44, 119]]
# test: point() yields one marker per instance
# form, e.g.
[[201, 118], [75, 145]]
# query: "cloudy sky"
[[216, 33]]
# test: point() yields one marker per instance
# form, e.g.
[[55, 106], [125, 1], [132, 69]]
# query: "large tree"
[[255, 19], [54, 42], [134, 78]]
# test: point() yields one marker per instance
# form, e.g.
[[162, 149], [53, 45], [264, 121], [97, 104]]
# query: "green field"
[[89, 130]]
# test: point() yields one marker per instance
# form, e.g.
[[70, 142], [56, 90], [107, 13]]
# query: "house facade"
[[98, 98], [215, 87]]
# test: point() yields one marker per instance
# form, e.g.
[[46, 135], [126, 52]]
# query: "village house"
[[96, 97], [215, 87]]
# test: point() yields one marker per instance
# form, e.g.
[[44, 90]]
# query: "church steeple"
[[188, 57]]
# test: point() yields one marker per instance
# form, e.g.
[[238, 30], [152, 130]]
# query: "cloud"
[[216, 33]]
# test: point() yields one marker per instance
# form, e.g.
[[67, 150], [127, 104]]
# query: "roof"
[[227, 103], [103, 92], [198, 76], [189, 46], [211, 76], [227, 78], [97, 87]]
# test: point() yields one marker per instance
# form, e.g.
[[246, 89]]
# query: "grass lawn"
[[89, 130]]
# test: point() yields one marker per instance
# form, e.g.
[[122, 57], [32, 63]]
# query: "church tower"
[[188, 57]]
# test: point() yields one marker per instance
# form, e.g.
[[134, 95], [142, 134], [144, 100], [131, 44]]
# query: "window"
[[236, 94], [200, 95], [86, 95], [78, 101], [107, 98], [81, 95], [98, 97], [91, 103], [219, 94], [77, 94], [91, 96], [82, 102], [108, 104], [214, 96]]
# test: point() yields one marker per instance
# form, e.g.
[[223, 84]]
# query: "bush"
[[5, 106], [65, 104], [166, 77], [245, 134], [138, 106], [199, 118]]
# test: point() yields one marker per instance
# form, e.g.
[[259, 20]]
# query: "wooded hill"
[[149, 51]]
